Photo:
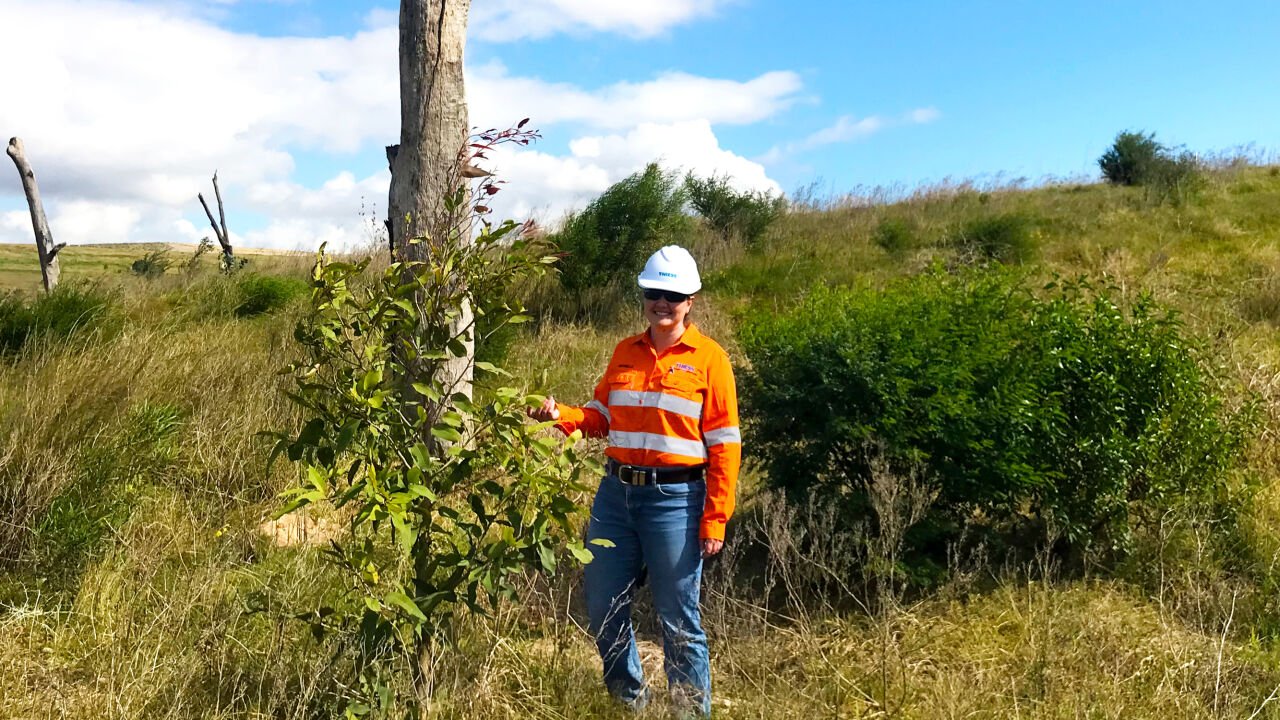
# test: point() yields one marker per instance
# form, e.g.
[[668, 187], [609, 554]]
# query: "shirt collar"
[[691, 338]]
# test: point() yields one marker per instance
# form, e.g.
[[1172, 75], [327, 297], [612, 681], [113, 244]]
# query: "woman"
[[668, 406]]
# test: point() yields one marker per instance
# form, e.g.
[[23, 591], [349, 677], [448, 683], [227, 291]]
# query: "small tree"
[[733, 214], [453, 497], [613, 235], [1131, 158]]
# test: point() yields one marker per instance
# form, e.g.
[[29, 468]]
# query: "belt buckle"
[[628, 475]]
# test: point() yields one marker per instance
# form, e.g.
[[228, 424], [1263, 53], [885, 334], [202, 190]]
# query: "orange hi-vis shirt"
[[677, 409]]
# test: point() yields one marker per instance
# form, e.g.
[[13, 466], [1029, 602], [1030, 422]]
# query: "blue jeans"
[[655, 526]]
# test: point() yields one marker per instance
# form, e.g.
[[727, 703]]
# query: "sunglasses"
[[674, 298]]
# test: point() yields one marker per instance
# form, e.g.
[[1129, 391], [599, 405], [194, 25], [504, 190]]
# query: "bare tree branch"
[[219, 231]]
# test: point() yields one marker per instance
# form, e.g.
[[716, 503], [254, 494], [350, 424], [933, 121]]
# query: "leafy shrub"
[[68, 309], [1138, 159], [615, 233], [1016, 410], [259, 294], [1005, 238], [734, 215], [1130, 159], [894, 235], [152, 265], [1175, 178], [196, 258], [459, 499]]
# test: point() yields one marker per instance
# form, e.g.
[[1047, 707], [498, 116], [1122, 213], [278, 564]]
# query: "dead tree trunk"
[[220, 231], [425, 169], [44, 239], [427, 165]]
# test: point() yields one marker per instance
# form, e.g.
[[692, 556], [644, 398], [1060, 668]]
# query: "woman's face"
[[665, 315]]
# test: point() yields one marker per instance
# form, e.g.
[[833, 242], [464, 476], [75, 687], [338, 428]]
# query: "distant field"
[[20, 267]]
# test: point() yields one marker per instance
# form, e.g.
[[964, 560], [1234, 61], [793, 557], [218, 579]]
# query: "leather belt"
[[641, 475]]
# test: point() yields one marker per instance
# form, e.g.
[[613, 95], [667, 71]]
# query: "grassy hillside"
[[20, 267], [140, 576]]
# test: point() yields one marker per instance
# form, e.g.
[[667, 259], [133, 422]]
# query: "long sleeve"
[[724, 448], [592, 419]]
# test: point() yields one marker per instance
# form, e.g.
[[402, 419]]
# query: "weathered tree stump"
[[45, 246]]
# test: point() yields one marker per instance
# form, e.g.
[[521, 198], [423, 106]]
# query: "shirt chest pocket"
[[625, 380], [682, 392]]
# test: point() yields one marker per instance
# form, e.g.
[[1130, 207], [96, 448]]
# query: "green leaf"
[[406, 534], [311, 433], [477, 507], [581, 554], [422, 491], [603, 542], [427, 391], [547, 557], [402, 601], [371, 379], [491, 368], [346, 435], [446, 433], [421, 458], [317, 480]]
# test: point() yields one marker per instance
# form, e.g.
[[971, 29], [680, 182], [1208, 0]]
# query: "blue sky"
[[779, 94]]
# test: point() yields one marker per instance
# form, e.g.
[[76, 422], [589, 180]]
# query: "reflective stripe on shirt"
[[600, 408], [662, 401], [722, 436], [657, 443]]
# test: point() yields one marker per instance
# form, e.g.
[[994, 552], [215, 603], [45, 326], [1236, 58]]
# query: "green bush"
[[615, 233], [1130, 159], [732, 214], [1175, 178], [1005, 238], [259, 294], [68, 309], [152, 265], [1015, 410], [895, 235], [1138, 159]]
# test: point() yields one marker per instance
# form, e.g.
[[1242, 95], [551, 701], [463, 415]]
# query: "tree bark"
[[434, 128], [40, 224]]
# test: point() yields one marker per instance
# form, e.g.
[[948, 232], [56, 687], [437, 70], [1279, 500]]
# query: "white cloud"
[[847, 128], [551, 185], [669, 98], [506, 20], [132, 106]]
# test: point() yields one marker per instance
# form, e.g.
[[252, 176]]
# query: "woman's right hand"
[[547, 411]]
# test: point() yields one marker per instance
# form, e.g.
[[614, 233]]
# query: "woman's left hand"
[[711, 546]]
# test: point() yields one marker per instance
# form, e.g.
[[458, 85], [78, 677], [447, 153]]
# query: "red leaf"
[[482, 209], [490, 189], [522, 123]]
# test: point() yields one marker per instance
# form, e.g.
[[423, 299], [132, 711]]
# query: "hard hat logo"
[[671, 268]]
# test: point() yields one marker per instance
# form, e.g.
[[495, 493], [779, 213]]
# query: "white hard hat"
[[671, 268]]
